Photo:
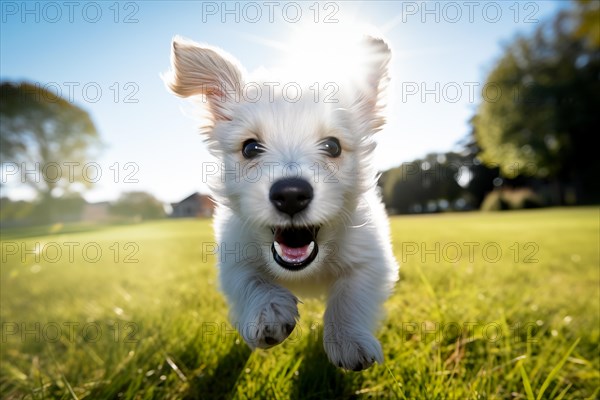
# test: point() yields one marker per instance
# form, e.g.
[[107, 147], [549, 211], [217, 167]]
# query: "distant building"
[[195, 205], [96, 212]]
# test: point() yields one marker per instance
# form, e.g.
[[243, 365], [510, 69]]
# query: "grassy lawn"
[[489, 306]]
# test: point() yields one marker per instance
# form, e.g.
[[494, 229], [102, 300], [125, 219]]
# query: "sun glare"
[[327, 52]]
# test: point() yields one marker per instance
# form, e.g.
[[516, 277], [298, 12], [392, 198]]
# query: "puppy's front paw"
[[270, 321], [351, 350]]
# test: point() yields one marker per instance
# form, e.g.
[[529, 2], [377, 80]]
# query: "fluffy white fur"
[[355, 266]]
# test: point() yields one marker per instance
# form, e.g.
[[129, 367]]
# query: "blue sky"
[[121, 49]]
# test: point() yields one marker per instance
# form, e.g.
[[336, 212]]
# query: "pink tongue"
[[294, 254]]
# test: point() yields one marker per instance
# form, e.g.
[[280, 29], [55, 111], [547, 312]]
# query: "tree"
[[540, 116], [15, 211], [43, 132], [138, 205], [587, 13], [481, 177], [422, 185]]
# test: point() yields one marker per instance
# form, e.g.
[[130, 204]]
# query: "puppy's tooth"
[[310, 249], [278, 249]]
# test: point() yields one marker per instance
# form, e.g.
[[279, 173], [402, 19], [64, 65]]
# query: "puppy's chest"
[[315, 286]]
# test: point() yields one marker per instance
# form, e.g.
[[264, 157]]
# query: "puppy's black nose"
[[291, 195]]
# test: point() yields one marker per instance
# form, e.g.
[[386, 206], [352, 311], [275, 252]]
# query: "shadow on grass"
[[220, 383], [318, 378]]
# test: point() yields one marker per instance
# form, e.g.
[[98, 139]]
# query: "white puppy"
[[298, 209]]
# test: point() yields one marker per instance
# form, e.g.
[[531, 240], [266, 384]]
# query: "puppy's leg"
[[352, 311], [264, 313]]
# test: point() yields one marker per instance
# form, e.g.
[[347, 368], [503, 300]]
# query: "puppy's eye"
[[332, 147], [251, 148]]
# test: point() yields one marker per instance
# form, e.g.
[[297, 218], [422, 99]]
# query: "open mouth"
[[294, 248]]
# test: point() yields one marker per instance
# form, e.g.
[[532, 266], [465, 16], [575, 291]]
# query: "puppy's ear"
[[205, 70], [371, 99]]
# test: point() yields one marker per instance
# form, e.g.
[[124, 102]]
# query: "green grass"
[[473, 325]]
